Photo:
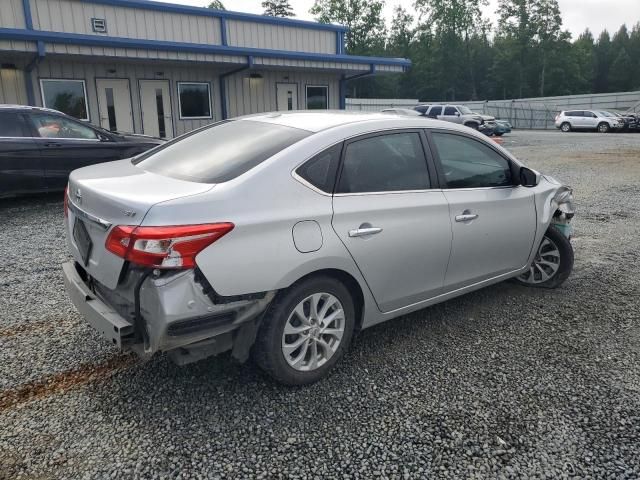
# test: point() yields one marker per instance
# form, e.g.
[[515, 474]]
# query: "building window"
[[67, 96], [317, 97], [194, 99]]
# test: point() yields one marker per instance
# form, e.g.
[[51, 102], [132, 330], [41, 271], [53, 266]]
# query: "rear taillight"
[[66, 201], [164, 247]]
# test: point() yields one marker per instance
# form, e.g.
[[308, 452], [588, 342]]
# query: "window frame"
[[84, 89], [442, 182], [430, 164], [306, 95], [209, 88]]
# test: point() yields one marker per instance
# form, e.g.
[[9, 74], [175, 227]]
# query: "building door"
[[114, 103], [155, 103], [287, 96]]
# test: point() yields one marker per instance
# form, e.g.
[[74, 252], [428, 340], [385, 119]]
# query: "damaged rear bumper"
[[147, 313]]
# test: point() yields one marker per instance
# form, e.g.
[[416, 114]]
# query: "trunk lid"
[[109, 194]]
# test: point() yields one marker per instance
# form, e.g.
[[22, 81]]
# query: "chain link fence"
[[527, 113]]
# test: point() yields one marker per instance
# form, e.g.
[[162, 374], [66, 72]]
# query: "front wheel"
[[553, 262], [603, 128], [306, 331]]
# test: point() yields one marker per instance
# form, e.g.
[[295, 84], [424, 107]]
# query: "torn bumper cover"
[[173, 312], [564, 211]]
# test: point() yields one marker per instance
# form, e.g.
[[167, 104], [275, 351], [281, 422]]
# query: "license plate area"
[[82, 239]]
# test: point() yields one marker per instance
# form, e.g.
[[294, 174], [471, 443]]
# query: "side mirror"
[[457, 114], [103, 138], [528, 177]]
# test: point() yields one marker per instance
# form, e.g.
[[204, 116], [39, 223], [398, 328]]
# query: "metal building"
[[163, 69]]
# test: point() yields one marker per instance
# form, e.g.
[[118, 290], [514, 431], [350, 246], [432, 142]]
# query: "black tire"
[[499, 134], [267, 351], [603, 127], [563, 245], [473, 125], [565, 127]]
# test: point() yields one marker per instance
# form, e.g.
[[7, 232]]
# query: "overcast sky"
[[577, 14]]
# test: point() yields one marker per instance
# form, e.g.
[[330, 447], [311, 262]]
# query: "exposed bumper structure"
[[148, 313]]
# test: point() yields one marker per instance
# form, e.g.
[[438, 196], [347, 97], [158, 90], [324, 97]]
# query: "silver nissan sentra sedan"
[[281, 235]]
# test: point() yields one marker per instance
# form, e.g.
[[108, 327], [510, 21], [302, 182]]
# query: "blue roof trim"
[[121, 42], [26, 7], [208, 12]]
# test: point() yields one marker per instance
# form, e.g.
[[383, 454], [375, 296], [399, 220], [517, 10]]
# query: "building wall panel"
[[280, 37], [12, 14], [134, 72], [254, 95], [74, 16], [12, 86]]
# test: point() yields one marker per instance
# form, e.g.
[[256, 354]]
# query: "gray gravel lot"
[[507, 382]]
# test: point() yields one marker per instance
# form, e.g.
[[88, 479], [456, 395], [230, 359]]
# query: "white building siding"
[[134, 72], [254, 95], [12, 86], [74, 16], [141, 53], [280, 37], [11, 14], [17, 46]]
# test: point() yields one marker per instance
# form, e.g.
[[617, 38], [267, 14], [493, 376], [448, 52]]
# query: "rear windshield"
[[220, 152]]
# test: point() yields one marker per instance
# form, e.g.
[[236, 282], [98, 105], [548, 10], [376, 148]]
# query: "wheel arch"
[[349, 281]]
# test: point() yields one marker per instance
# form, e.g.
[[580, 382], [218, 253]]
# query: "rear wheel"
[[603, 127], [306, 331], [553, 262], [565, 127]]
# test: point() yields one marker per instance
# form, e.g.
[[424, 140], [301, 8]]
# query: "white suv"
[[600, 121]]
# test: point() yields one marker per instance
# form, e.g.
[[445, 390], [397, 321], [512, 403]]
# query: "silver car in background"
[[595, 120], [284, 234]]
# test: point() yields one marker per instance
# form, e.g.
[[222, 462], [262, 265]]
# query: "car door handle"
[[465, 217], [363, 232], [52, 145]]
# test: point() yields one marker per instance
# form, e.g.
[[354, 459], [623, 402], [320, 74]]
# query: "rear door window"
[[450, 110], [220, 152], [384, 163], [435, 111], [12, 125]]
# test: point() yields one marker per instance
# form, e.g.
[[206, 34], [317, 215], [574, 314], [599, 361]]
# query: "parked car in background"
[[630, 120], [597, 120], [296, 230], [39, 148], [402, 111], [458, 114], [502, 127]]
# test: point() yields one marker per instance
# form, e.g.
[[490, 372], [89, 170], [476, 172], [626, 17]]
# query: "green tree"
[[602, 63], [363, 18], [216, 5], [547, 24], [516, 28], [278, 8], [454, 23], [621, 72], [583, 52]]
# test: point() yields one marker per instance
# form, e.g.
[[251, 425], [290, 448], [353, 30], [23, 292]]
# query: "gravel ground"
[[507, 382]]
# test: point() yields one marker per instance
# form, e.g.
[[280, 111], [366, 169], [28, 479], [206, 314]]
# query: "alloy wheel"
[[545, 264], [313, 332]]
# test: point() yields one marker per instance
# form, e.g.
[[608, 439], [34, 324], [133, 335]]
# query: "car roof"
[[318, 121], [29, 107]]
